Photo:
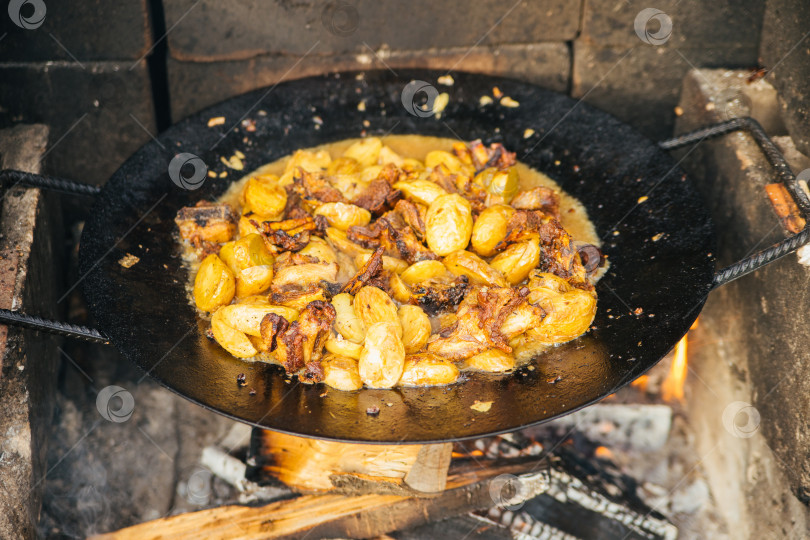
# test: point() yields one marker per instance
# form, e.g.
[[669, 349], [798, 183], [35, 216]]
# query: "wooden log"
[[333, 515], [312, 465]]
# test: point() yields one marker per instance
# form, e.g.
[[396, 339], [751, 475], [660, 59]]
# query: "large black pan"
[[660, 252]]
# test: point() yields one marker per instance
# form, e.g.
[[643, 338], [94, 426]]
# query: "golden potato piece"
[[342, 216], [420, 191], [253, 280], [415, 328], [337, 345], [303, 275], [264, 196], [389, 156], [214, 285], [366, 151], [250, 250], [464, 263], [427, 369], [342, 243], [320, 249], [309, 161], [448, 224], [501, 185], [490, 228], [517, 260], [246, 227], [436, 157], [341, 372], [421, 271], [343, 165], [399, 290], [231, 339], [392, 264], [247, 318], [372, 306], [568, 315], [493, 360], [347, 323], [383, 357]]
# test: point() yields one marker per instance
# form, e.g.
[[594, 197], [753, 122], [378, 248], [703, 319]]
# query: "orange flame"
[[603, 452], [641, 383], [672, 387]]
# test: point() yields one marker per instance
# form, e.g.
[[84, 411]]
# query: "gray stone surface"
[[750, 350], [212, 30], [105, 475], [98, 30], [640, 84], [695, 23], [29, 266], [785, 49], [194, 85], [93, 109]]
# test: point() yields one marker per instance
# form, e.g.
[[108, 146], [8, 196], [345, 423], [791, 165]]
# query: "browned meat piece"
[[539, 198], [206, 222], [437, 295], [559, 256], [313, 372], [317, 186], [369, 270], [287, 235], [203, 247], [272, 326], [378, 196], [392, 174], [407, 244], [410, 214], [482, 157], [477, 327], [440, 175], [297, 297], [303, 341], [523, 224]]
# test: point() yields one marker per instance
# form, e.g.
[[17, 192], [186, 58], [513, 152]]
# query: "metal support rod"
[[53, 327]]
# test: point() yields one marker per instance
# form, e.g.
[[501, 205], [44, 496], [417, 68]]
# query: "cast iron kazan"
[[661, 253]]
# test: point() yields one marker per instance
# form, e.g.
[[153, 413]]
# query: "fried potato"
[[501, 185], [389, 156], [392, 264], [303, 275], [214, 285], [309, 161], [399, 290], [231, 339], [372, 306], [436, 157], [420, 191], [337, 345], [421, 271], [448, 224], [253, 280], [343, 165], [427, 369], [464, 263], [342, 243], [490, 229], [366, 151], [250, 250], [320, 249], [492, 360], [342, 216], [247, 318], [264, 196], [517, 260], [347, 323], [569, 313], [383, 357], [415, 328], [341, 372]]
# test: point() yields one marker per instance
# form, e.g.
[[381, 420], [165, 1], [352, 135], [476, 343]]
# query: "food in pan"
[[401, 261]]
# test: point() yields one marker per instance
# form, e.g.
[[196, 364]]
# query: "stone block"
[[99, 30], [99, 113], [751, 346], [195, 85], [694, 23], [208, 30], [640, 84], [29, 270], [786, 51]]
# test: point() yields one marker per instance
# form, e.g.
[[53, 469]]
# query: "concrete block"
[[209, 30], [98, 30], [99, 112], [195, 85]]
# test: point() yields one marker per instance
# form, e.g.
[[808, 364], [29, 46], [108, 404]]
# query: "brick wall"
[[86, 69]]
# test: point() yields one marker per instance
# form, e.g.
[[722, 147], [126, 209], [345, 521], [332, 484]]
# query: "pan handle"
[[10, 178], [786, 176]]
